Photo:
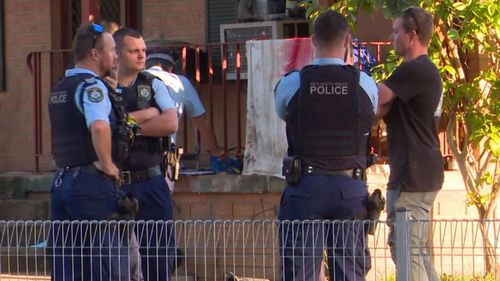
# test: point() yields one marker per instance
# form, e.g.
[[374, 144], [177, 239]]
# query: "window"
[[219, 12]]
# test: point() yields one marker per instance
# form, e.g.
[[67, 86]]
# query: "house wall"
[[28, 28], [175, 20], [34, 25]]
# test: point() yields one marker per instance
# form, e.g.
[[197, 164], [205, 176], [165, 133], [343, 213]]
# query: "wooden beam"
[[90, 10]]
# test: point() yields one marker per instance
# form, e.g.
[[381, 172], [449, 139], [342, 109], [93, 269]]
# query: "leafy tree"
[[465, 49]]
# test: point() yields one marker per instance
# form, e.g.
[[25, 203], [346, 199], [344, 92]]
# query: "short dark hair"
[[121, 33], [330, 27], [418, 19], [87, 36]]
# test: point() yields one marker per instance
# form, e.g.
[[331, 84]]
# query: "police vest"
[[145, 151], [329, 118], [71, 138]]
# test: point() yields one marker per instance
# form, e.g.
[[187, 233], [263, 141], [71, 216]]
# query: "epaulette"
[[148, 77], [286, 74], [367, 73], [290, 72], [352, 68], [90, 80]]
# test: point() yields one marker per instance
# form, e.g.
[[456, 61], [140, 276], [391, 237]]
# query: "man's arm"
[[385, 98], [284, 91], [207, 134], [96, 108], [143, 115], [162, 125], [101, 139]]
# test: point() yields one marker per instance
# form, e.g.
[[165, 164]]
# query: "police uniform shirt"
[[162, 95], [96, 103], [181, 91], [289, 85]]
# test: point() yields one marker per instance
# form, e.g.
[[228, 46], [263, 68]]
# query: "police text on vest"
[[328, 88], [57, 97]]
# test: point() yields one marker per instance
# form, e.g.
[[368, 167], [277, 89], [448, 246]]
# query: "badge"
[[95, 94], [144, 92]]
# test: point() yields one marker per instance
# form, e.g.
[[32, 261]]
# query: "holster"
[[121, 142], [292, 169], [172, 159], [376, 204], [128, 206]]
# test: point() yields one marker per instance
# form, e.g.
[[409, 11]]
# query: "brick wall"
[[175, 20], [27, 29]]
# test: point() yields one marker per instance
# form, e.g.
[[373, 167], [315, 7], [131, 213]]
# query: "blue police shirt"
[[162, 95], [182, 92], [96, 104], [288, 86]]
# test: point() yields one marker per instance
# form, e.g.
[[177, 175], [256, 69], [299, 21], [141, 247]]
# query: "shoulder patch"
[[94, 94]]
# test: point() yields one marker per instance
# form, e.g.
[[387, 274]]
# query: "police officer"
[[160, 63], [83, 116], [144, 98], [328, 108]]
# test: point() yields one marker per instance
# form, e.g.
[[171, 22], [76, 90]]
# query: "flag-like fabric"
[[268, 60]]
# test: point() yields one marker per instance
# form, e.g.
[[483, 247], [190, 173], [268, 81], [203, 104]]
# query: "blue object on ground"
[[225, 165]]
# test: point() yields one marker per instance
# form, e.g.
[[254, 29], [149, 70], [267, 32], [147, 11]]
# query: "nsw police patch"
[[144, 92], [95, 94]]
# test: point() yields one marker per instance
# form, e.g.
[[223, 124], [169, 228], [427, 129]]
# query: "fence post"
[[402, 244]]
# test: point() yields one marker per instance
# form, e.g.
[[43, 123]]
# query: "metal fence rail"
[[217, 250], [218, 79]]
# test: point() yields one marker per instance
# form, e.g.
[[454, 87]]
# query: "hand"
[[109, 170], [111, 78]]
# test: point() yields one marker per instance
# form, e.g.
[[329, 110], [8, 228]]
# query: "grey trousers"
[[419, 204]]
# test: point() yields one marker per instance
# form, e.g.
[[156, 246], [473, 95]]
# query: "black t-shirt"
[[414, 155]]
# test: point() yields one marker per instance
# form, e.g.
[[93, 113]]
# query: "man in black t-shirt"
[[410, 101]]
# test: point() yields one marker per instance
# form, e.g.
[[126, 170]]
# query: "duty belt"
[[129, 177], [89, 169], [352, 173]]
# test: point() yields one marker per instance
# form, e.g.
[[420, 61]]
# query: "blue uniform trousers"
[[304, 234], [155, 235], [85, 250]]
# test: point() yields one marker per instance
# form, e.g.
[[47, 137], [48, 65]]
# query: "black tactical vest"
[[329, 118], [145, 151], [71, 138]]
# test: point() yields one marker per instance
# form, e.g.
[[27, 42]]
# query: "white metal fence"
[[220, 250]]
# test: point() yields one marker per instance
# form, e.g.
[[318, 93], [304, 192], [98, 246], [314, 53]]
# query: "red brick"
[[27, 28], [167, 17]]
